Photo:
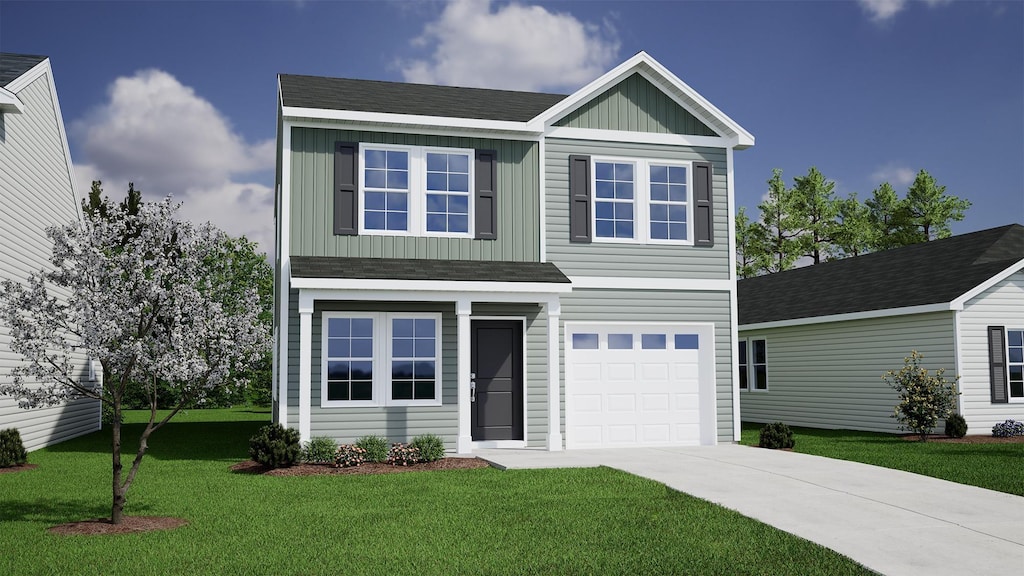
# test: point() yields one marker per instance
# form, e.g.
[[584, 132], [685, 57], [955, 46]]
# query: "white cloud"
[[515, 46], [882, 11], [894, 174], [162, 136]]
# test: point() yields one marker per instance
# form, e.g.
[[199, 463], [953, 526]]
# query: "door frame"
[[509, 443]]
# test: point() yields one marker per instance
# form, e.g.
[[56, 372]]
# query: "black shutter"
[[346, 189], [579, 199], [486, 196], [704, 231], [997, 363]]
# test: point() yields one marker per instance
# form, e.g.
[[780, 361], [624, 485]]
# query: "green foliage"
[[403, 455], [750, 246], [276, 446], [376, 448], [12, 451], [349, 455], [923, 399], [775, 436], [319, 450], [782, 225], [814, 199], [430, 446], [929, 209], [956, 426]]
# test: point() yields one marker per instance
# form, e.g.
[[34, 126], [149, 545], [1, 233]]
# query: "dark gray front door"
[[497, 413]]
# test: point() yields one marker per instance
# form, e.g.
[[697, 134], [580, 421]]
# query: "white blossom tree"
[[145, 300]]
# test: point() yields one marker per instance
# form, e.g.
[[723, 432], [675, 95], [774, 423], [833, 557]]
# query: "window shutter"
[[997, 363], [579, 199], [703, 216], [346, 189], [486, 196]]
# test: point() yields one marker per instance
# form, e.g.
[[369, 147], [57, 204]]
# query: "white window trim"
[[751, 372], [382, 348], [417, 221], [1009, 391], [641, 200]]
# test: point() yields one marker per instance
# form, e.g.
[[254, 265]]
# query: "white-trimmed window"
[[642, 201], [380, 359], [1015, 363], [415, 190], [753, 364]]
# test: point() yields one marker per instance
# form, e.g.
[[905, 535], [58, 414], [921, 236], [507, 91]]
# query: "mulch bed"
[[975, 439], [251, 467], [128, 525], [11, 469]]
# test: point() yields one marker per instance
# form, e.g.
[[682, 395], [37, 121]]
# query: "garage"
[[639, 385]]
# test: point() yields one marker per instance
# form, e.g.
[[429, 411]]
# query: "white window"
[[753, 364], [380, 359], [412, 190], [642, 201], [1015, 362]]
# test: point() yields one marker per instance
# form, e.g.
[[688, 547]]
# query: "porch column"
[[554, 310], [305, 358], [463, 309]]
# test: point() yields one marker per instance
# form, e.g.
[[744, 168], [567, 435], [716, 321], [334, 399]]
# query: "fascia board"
[[9, 103], [29, 76], [579, 97], [958, 304], [596, 134], [923, 309], [388, 118], [437, 286]]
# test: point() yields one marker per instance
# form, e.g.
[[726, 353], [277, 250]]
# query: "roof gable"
[[14, 65]]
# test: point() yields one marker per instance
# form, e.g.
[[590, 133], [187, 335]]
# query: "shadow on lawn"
[[52, 511], [228, 441]]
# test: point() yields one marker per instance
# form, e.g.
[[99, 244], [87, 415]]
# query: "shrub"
[[12, 451], [403, 455], [376, 448], [431, 447], [319, 450], [956, 426], [923, 399], [1008, 429], [276, 446], [349, 455], [776, 435]]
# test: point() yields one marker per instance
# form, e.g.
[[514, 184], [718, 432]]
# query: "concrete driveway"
[[893, 522]]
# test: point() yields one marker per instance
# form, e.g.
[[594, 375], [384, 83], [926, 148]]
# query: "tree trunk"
[[117, 508]]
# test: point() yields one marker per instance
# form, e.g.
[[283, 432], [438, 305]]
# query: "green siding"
[[312, 178], [636, 105], [633, 260]]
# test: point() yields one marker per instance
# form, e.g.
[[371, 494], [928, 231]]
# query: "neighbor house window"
[[1015, 362], [744, 365], [753, 364], [640, 200]]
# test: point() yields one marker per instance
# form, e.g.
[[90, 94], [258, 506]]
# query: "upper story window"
[[448, 192], [643, 201]]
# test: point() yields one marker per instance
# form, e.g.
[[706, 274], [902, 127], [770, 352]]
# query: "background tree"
[[144, 303], [929, 210], [783, 225], [815, 202], [750, 252], [853, 232], [887, 217]]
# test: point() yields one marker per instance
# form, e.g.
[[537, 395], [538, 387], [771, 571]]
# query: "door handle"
[[472, 391]]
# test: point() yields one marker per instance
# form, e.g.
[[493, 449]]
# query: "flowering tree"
[[923, 398], [145, 301]]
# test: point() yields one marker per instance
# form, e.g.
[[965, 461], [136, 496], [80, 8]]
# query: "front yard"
[[571, 521], [998, 466]]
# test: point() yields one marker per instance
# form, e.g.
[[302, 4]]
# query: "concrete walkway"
[[893, 522]]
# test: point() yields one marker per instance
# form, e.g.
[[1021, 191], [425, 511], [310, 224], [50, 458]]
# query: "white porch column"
[[305, 358], [554, 310], [463, 308]]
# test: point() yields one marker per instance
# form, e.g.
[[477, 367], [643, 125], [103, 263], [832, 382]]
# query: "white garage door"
[[636, 385]]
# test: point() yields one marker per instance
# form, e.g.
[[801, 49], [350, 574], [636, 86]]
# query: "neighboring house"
[[504, 268], [815, 341], [38, 190]]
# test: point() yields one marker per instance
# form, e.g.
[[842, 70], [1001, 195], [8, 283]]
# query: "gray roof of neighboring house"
[[929, 273], [14, 65], [418, 99], [422, 269]]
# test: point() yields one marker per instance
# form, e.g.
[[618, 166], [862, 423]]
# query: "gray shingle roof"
[[421, 269], [929, 273], [419, 99], [14, 65]]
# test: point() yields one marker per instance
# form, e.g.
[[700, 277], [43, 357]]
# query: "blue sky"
[[180, 96]]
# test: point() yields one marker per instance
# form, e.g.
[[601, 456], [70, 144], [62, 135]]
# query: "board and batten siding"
[[311, 196], [635, 105], [633, 260], [639, 306], [1000, 305], [36, 190], [830, 375]]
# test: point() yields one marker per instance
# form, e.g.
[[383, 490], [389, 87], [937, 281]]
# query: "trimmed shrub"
[[776, 435], [956, 426], [12, 451], [319, 450], [276, 446], [1008, 429], [403, 455], [376, 448], [349, 455], [431, 447]]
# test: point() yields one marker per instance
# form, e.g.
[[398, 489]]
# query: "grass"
[[571, 521], [993, 466]]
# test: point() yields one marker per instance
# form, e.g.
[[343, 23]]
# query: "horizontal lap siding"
[[830, 375], [638, 306], [312, 201], [633, 260], [1000, 305]]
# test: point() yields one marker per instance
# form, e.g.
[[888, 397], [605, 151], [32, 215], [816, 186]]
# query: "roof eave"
[[383, 118], [9, 102]]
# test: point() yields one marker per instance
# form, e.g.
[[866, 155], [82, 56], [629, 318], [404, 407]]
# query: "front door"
[[497, 367]]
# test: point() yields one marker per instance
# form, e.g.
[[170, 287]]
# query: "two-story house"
[[506, 269]]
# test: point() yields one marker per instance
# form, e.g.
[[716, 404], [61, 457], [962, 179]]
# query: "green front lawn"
[[572, 521], [993, 466]]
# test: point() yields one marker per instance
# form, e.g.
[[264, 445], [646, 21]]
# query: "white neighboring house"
[[37, 189], [815, 341]]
